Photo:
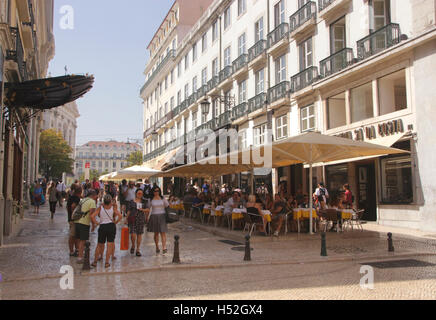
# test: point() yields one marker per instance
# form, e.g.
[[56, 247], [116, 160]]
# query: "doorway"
[[366, 197]]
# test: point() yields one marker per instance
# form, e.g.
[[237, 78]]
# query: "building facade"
[[26, 47], [103, 156], [351, 68]]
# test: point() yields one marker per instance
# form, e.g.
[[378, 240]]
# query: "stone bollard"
[[323, 245], [176, 257], [247, 256], [390, 243], [86, 262]]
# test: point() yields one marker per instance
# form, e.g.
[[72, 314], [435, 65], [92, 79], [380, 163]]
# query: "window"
[[308, 118], [204, 76], [215, 31], [160, 113], [242, 49], [260, 81], [174, 45], [392, 92], [243, 143], [215, 67], [361, 103], [194, 120], [204, 43], [281, 69], [100, 164], [380, 10], [172, 76], [166, 108], [306, 59], [186, 91], [179, 129], [397, 180], [187, 61], [203, 118], [337, 36], [194, 52], [227, 18], [227, 57], [179, 69], [166, 82], [172, 103], [260, 134], [279, 13], [179, 97], [336, 116], [282, 127], [216, 107], [242, 7], [258, 30], [242, 91], [194, 84]]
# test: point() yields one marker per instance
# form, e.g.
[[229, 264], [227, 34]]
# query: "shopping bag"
[[124, 239]]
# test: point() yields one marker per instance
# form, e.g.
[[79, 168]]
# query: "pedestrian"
[[83, 225], [61, 188], [130, 193], [136, 218], [121, 195], [321, 195], [278, 213], [157, 222], [72, 203], [348, 201], [37, 197], [52, 198], [109, 217]]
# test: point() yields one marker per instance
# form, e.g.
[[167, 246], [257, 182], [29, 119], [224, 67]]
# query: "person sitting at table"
[[336, 204], [198, 203], [291, 203], [269, 202], [231, 204], [279, 213], [305, 204], [251, 203]]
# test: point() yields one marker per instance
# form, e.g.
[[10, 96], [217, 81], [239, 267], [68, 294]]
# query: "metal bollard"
[[390, 243], [176, 257], [323, 245], [86, 262], [247, 256]]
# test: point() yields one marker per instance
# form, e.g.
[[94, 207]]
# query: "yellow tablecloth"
[[237, 216], [347, 214], [304, 214], [266, 215], [218, 213], [206, 211]]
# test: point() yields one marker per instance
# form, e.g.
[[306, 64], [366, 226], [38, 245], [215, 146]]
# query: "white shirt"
[[228, 206], [318, 193], [158, 206], [61, 187], [131, 194], [106, 215]]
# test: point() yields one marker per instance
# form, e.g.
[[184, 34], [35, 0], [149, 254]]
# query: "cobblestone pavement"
[[33, 259]]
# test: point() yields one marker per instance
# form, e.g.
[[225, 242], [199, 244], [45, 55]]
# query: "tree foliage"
[[135, 159], [93, 174], [54, 155]]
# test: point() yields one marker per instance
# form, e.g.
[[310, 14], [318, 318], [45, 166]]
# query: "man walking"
[[61, 189], [122, 191]]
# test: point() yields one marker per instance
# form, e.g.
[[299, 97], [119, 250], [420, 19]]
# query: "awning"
[[47, 93], [388, 142]]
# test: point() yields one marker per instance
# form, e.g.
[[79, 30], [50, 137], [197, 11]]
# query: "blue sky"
[[109, 40]]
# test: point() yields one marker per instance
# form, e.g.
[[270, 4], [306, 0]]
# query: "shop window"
[[336, 176], [336, 111], [392, 92], [397, 180], [362, 106]]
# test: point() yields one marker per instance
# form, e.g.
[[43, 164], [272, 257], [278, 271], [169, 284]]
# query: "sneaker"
[[276, 234]]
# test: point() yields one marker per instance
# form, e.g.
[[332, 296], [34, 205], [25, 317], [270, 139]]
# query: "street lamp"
[[205, 107]]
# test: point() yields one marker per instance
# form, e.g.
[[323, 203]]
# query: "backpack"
[[78, 214]]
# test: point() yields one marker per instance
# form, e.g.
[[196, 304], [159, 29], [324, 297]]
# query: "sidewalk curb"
[[172, 267]]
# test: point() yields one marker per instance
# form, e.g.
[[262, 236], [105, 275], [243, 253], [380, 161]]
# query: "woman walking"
[[37, 197], [136, 217], [157, 222], [109, 218], [52, 198]]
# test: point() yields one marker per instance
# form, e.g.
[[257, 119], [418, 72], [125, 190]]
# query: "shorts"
[[72, 229], [82, 231], [106, 233]]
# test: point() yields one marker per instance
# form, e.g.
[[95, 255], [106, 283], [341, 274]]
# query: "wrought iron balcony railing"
[[212, 83], [278, 34], [279, 91], [239, 63], [304, 79], [305, 13], [256, 103], [184, 105], [202, 91], [210, 125], [223, 120], [225, 74], [17, 55], [256, 50], [322, 4], [336, 62], [171, 55], [192, 99], [240, 111], [378, 41]]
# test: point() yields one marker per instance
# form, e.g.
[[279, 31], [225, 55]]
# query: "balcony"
[[378, 41], [17, 55], [240, 111], [171, 55], [257, 51], [176, 111], [225, 74], [304, 79], [256, 103], [223, 120], [303, 20], [205, 127], [279, 92], [192, 99], [336, 62], [212, 84], [190, 136], [184, 105], [330, 8], [239, 66], [202, 91], [276, 36]]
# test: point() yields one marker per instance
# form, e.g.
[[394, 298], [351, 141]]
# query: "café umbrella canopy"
[[307, 148], [44, 94], [135, 172]]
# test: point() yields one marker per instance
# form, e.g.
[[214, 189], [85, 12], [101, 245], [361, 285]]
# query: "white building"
[[358, 69], [103, 156]]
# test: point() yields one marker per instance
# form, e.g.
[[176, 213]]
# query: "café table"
[[237, 214], [217, 212], [302, 214], [267, 215], [346, 215]]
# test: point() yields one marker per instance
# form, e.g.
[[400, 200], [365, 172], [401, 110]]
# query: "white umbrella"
[[135, 172]]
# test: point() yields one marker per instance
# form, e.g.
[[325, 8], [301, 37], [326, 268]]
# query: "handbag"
[[171, 215], [78, 214]]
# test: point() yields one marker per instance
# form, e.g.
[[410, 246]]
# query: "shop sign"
[[370, 133]]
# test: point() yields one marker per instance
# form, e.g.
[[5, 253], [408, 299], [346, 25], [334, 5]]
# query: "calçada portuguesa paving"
[[39, 250]]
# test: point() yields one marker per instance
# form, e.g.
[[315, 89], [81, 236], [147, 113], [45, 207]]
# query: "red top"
[[349, 197]]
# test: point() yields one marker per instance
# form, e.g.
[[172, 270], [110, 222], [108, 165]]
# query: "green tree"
[[135, 159], [54, 155], [92, 174]]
